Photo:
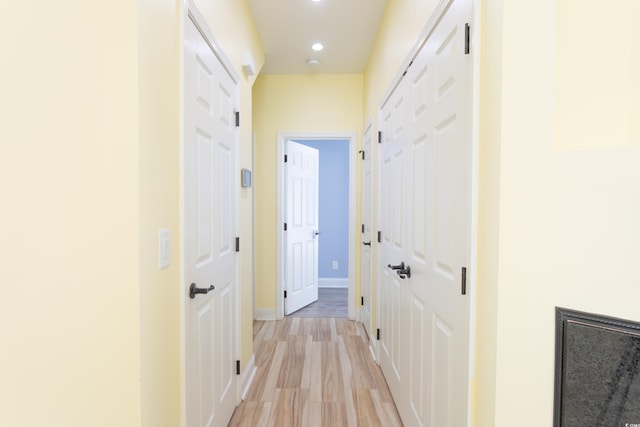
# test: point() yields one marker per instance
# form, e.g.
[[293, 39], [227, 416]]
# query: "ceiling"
[[288, 28]]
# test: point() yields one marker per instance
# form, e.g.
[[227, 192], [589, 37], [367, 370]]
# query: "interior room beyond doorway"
[[336, 208], [333, 247]]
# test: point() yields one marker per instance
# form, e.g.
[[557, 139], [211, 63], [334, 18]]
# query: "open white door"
[[301, 236], [210, 205]]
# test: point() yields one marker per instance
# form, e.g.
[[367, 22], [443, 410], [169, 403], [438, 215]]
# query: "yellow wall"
[[559, 184], [489, 116], [159, 136], [90, 125], [292, 103], [69, 250]]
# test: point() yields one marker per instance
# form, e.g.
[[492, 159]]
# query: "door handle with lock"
[[194, 290], [315, 233], [367, 243], [404, 272]]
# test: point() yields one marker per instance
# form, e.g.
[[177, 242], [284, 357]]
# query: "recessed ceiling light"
[[313, 62], [316, 1], [317, 46]]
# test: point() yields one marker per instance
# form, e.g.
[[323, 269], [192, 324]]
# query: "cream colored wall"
[[490, 128], [69, 250], [89, 120], [292, 103], [232, 25], [159, 136], [558, 123]]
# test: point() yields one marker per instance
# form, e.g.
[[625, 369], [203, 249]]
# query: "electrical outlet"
[[334, 265]]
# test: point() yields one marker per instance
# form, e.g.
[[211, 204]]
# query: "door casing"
[[280, 211]]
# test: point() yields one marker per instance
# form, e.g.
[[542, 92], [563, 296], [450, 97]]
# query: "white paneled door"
[[367, 233], [210, 98], [431, 210], [302, 234], [392, 288]]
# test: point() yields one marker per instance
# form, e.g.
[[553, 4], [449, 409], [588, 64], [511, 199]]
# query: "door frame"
[[280, 210], [189, 11]]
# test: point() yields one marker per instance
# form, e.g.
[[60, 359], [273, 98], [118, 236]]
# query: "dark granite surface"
[[600, 376]]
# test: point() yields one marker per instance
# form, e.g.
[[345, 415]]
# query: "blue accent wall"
[[334, 207]]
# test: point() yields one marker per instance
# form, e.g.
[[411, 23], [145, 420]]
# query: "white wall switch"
[[164, 248], [334, 265]]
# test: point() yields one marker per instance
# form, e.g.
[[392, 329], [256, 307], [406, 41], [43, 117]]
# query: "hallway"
[[315, 372]]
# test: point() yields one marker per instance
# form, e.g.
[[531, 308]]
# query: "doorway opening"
[[336, 238]]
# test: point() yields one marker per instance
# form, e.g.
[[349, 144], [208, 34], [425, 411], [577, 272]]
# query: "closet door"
[[367, 234], [435, 195], [393, 288]]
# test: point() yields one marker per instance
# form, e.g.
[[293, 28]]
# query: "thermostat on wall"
[[245, 177]]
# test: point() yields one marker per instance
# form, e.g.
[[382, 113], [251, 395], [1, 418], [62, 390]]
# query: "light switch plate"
[[164, 248]]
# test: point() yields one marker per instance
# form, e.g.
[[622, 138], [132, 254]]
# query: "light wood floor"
[[315, 372]]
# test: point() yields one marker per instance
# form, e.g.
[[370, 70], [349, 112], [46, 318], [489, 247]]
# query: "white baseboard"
[[333, 282], [265, 314], [247, 376]]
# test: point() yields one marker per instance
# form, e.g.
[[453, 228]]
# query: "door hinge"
[[361, 151], [361, 300], [285, 226], [285, 294], [237, 118], [378, 334], [237, 244], [379, 236], [464, 280], [467, 39], [285, 158], [237, 367], [379, 137]]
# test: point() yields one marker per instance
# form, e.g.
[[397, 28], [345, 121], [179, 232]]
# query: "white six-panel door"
[[210, 98], [430, 376], [393, 290], [302, 196], [367, 233]]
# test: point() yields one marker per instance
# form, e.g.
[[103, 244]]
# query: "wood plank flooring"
[[332, 302], [315, 372]]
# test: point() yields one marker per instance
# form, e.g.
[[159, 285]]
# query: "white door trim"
[[189, 11], [280, 210]]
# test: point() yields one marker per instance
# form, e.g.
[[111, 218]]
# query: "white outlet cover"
[[164, 248]]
